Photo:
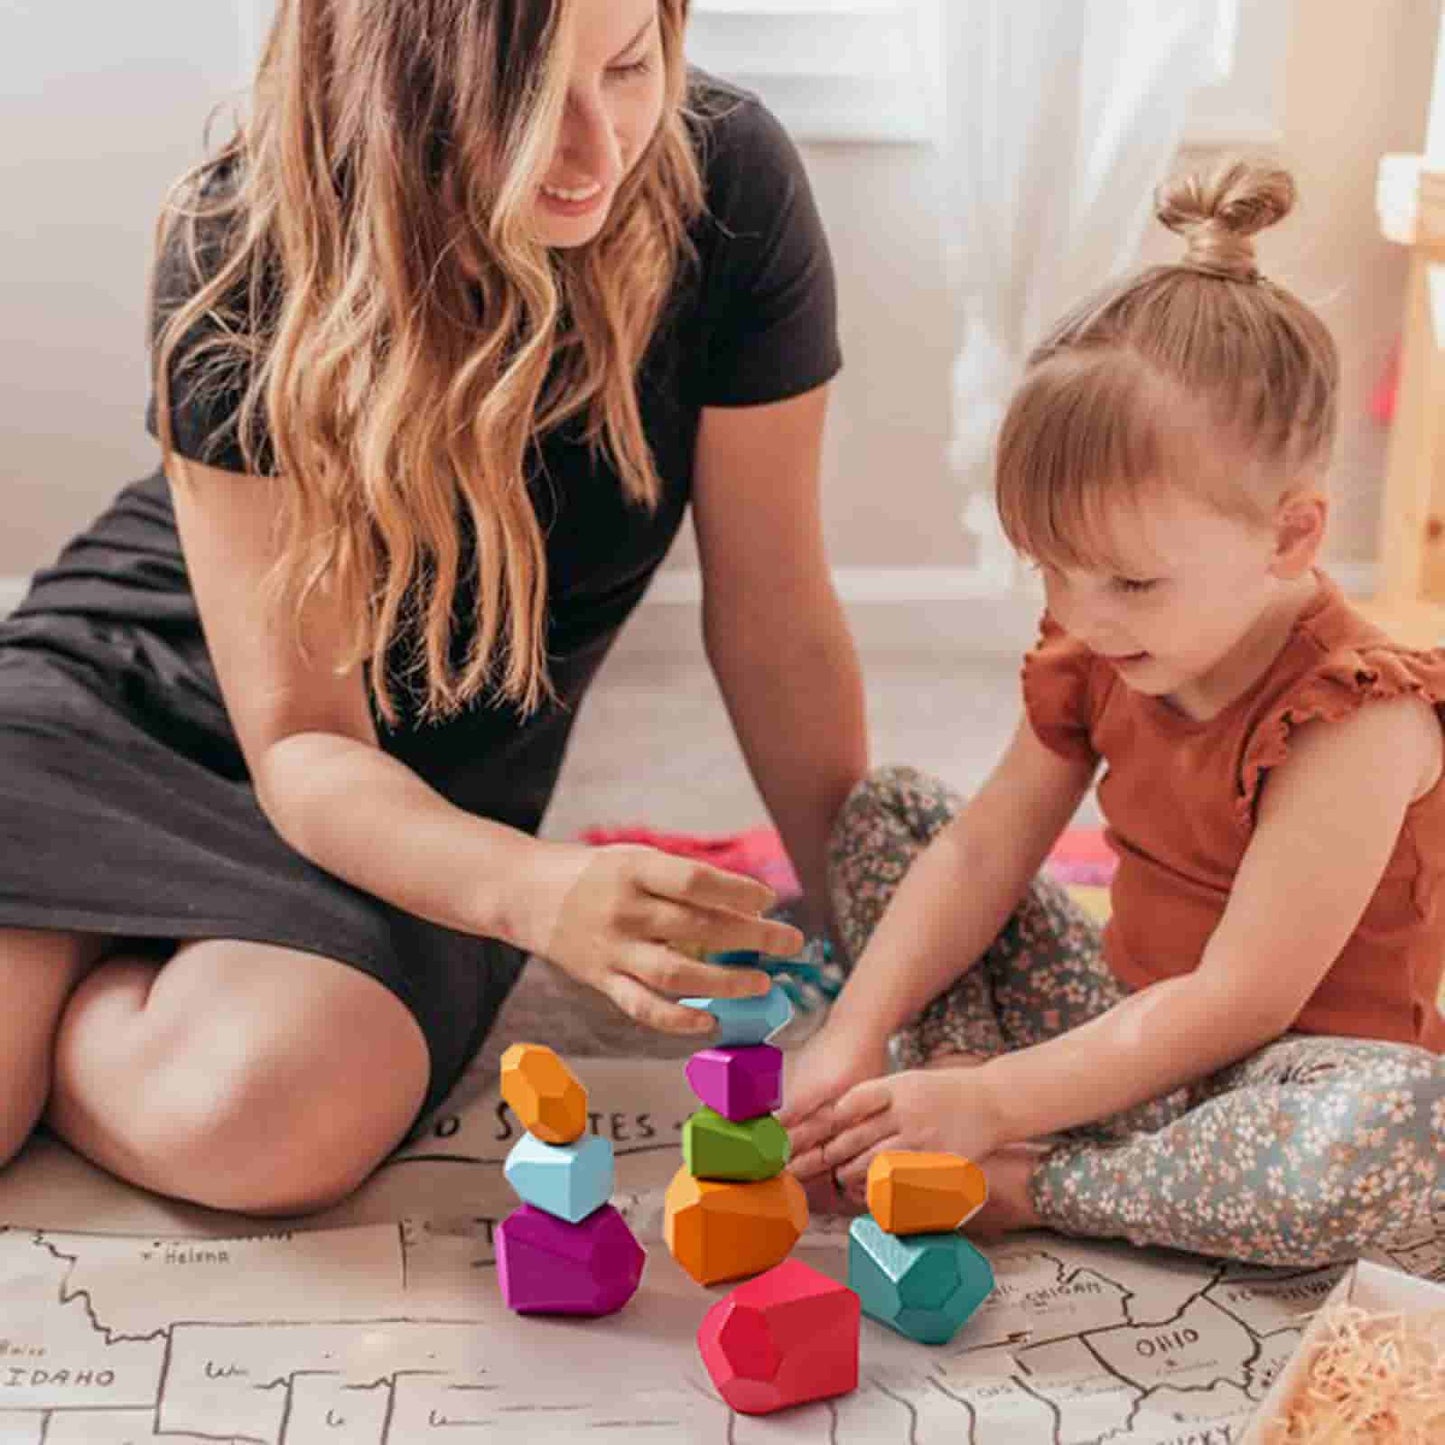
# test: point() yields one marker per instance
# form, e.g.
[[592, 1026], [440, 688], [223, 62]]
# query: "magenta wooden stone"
[[739, 1081], [546, 1266]]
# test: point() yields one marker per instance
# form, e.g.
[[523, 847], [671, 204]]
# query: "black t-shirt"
[[752, 322]]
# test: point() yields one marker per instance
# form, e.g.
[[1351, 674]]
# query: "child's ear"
[[1299, 533]]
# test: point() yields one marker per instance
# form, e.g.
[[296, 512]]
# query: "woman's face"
[[615, 92]]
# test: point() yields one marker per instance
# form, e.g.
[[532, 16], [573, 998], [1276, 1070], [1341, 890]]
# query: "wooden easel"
[[1410, 598]]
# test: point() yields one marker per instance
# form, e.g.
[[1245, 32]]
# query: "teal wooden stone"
[[745, 1020], [924, 1286], [569, 1181], [716, 1148]]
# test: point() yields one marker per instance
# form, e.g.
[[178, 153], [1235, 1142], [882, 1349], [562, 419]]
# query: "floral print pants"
[[1310, 1151]]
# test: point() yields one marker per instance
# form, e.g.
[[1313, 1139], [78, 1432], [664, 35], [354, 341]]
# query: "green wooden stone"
[[716, 1148]]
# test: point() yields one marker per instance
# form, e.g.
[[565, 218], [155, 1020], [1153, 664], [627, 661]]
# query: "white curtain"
[[1062, 116]]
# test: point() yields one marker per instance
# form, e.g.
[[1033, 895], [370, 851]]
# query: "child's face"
[[1191, 586]]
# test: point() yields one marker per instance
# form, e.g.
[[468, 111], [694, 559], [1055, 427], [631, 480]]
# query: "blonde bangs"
[[1087, 432], [1084, 433]]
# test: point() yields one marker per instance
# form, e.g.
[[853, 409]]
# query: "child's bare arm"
[[950, 907], [1328, 822]]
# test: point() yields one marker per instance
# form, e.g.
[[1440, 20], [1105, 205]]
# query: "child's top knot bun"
[[1218, 214]]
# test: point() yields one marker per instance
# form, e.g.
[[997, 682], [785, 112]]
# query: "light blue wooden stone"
[[569, 1181], [745, 1020], [924, 1286]]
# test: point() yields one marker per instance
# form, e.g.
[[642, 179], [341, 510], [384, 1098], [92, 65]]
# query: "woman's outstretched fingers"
[[703, 886], [660, 968], [645, 1007], [697, 904]]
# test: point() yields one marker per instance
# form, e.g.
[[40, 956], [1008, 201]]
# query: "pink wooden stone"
[[739, 1081], [546, 1266]]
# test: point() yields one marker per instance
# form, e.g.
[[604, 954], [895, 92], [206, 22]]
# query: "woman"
[[447, 336]]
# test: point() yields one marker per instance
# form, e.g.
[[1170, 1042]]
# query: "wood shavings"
[[1370, 1379]]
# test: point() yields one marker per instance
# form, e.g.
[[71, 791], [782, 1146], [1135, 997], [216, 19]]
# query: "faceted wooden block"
[[740, 1082], [922, 1285], [716, 1148], [785, 1338], [719, 1231], [548, 1267], [746, 1020], [544, 1093], [912, 1193], [568, 1180]]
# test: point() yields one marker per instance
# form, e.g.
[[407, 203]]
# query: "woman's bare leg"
[[237, 1075], [39, 970]]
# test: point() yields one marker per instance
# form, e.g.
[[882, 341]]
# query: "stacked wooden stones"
[[731, 1210], [566, 1251], [910, 1269]]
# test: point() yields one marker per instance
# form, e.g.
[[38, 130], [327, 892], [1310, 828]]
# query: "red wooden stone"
[[784, 1338]]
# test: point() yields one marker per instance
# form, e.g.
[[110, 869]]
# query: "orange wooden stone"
[[719, 1230], [544, 1094], [912, 1193]]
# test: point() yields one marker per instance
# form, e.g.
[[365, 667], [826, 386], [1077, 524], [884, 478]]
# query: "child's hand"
[[829, 1064], [948, 1111], [619, 918]]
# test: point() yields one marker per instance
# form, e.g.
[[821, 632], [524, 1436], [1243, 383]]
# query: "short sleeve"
[[1340, 683], [207, 384], [1057, 695], [770, 322]]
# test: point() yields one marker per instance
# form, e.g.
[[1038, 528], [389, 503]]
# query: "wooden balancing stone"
[[785, 1338]]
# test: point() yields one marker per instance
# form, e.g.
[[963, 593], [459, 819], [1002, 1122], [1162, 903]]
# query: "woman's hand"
[[949, 1111], [620, 919], [835, 1059]]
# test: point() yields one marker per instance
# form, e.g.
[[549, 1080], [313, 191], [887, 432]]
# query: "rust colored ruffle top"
[[1179, 797]]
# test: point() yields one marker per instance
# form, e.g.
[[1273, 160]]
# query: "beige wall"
[[1357, 83], [101, 106], [81, 187]]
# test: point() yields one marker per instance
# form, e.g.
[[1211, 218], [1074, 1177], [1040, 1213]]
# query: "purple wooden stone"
[[740, 1081], [546, 1266]]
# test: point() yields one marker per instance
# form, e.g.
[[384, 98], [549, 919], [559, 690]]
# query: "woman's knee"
[[272, 1104], [263, 1139], [38, 969]]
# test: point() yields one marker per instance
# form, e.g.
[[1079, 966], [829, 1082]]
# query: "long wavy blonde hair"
[[1204, 373], [367, 274]]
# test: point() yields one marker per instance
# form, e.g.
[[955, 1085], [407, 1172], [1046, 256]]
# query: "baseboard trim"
[[857, 585], [882, 585], [891, 609]]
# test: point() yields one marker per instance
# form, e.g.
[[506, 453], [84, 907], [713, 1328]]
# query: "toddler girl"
[[1246, 1062]]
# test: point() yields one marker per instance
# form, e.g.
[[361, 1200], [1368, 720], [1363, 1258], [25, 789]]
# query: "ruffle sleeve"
[[1056, 692], [1344, 680]]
